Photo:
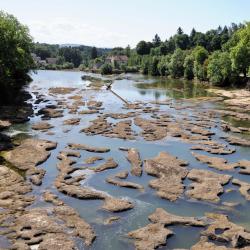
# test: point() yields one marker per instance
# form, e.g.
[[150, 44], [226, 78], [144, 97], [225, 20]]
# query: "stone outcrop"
[[87, 148], [221, 163], [244, 188], [126, 184], [222, 230], [150, 237], [156, 233], [109, 164], [162, 216], [170, 172], [71, 186], [44, 126], [135, 160], [93, 159], [206, 185], [72, 121]]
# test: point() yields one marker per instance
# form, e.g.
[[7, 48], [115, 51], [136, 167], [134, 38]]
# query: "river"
[[182, 97]]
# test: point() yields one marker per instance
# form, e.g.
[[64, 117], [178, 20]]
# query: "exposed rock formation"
[[87, 148], [135, 160], [42, 126], [109, 164], [170, 171], [72, 121], [207, 185], [244, 188], [127, 184], [93, 159]]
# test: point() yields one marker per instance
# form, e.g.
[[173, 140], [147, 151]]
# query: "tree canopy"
[[15, 51]]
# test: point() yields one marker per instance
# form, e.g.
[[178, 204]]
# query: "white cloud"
[[66, 31]]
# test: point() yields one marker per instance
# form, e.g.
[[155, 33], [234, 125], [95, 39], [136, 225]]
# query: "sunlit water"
[[134, 88]]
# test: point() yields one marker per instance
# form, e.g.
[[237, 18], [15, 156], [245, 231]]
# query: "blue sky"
[[109, 23]]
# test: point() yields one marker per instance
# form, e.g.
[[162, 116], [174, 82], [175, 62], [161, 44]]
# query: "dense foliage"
[[67, 55], [15, 48], [15, 59], [221, 56], [106, 69]]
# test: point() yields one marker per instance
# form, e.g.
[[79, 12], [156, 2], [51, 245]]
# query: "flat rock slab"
[[88, 148], [93, 159], [233, 140], [61, 90], [215, 162], [109, 164], [162, 216], [72, 121], [122, 175], [30, 153], [214, 149], [126, 184], [244, 188], [150, 237], [49, 113], [156, 233], [221, 163], [72, 219], [13, 190], [112, 204], [170, 172], [71, 186], [42, 126], [206, 185], [135, 160], [222, 230]]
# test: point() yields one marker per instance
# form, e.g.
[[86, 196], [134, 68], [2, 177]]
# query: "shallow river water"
[[133, 88]]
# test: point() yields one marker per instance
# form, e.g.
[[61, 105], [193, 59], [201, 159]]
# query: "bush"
[[106, 69]]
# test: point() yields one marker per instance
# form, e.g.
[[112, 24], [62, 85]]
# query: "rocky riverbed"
[[82, 169]]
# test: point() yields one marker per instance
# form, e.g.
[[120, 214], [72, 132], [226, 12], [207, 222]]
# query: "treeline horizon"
[[220, 56]]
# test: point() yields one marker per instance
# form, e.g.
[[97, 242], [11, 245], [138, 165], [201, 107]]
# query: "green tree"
[[176, 63], [240, 53], [181, 41], [219, 68], [143, 48], [189, 67], [106, 69], [15, 53], [163, 65], [94, 53], [72, 55], [156, 41], [179, 31], [200, 55], [153, 66], [128, 51], [145, 65]]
